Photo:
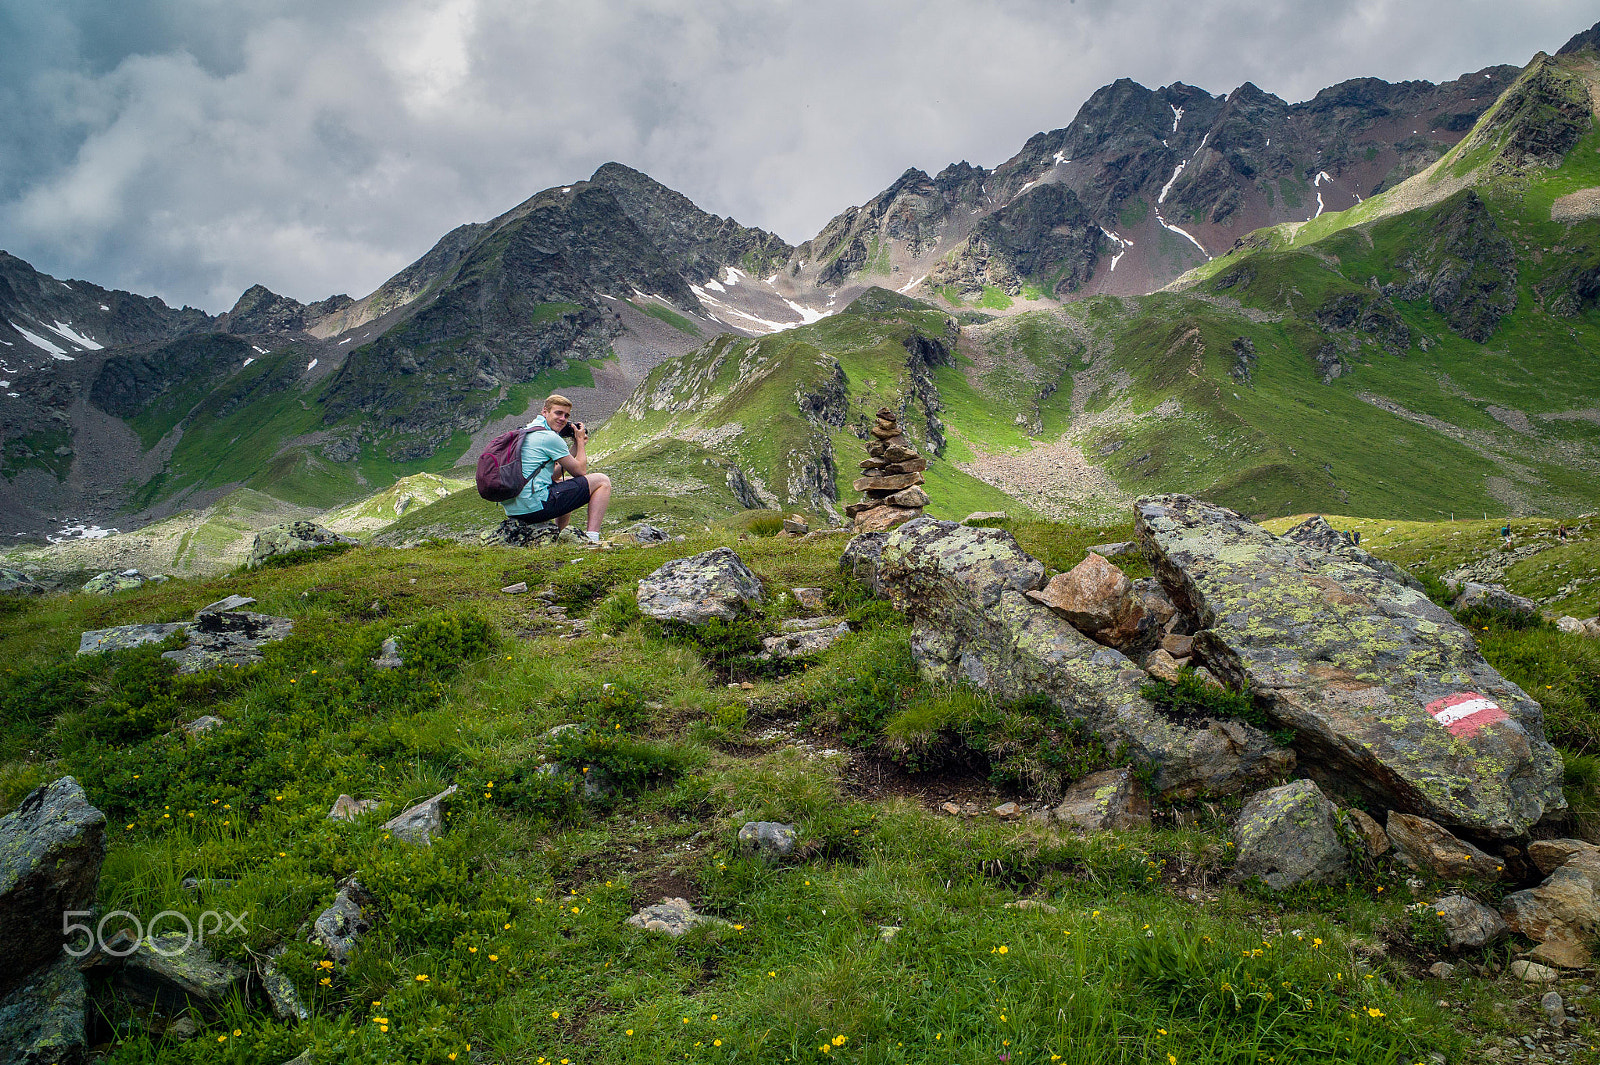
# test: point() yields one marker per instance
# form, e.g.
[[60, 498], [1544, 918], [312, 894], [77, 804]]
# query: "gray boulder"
[[861, 559], [123, 637], [227, 638], [1470, 595], [420, 823], [513, 533], [174, 971], [1387, 695], [1110, 799], [280, 991], [1289, 835], [16, 582], [673, 917], [110, 583], [42, 1021], [1316, 532], [768, 840], [1421, 844], [339, 928], [813, 637], [965, 592], [693, 590], [51, 849], [290, 537], [1468, 923], [645, 534]]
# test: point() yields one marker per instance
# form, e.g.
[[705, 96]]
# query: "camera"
[[570, 430]]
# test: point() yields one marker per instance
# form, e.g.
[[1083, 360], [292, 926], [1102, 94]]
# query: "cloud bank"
[[189, 149]]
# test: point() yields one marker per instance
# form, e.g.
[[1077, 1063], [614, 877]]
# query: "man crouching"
[[549, 495]]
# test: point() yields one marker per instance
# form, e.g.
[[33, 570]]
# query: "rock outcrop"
[[1387, 695], [693, 590], [1289, 835], [1316, 532], [965, 592], [290, 537], [1103, 801], [51, 848], [42, 1022]]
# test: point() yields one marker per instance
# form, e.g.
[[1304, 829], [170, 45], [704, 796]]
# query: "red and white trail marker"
[[1464, 713]]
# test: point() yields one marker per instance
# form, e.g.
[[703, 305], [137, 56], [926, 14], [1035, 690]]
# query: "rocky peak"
[[1589, 38], [260, 310]]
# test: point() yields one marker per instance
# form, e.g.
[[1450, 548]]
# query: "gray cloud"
[[189, 149]]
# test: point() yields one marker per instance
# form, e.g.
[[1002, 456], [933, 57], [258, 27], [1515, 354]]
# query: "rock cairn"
[[890, 479]]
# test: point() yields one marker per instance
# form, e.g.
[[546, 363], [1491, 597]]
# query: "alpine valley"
[[1380, 301]]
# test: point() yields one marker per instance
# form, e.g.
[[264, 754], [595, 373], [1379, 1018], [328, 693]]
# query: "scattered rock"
[[1120, 549], [516, 589], [1587, 627], [1554, 1008], [16, 582], [1386, 693], [861, 559], [228, 638], [1548, 855], [339, 928], [513, 533], [811, 598], [1097, 599], [389, 655], [51, 849], [291, 537], [644, 534], [285, 1000], [201, 725], [963, 590], [181, 1029], [1472, 595], [1562, 952], [42, 1020], [1566, 905], [807, 641], [1178, 646], [1441, 970], [984, 515], [1107, 800], [1374, 840], [796, 525], [693, 590], [950, 808], [122, 637], [1530, 972], [420, 823], [768, 840], [1288, 836], [346, 808], [110, 583], [1162, 666], [204, 885], [1468, 924], [1008, 811], [672, 916], [226, 606], [1420, 844]]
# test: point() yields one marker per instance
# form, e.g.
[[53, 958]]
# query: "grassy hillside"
[[508, 933]]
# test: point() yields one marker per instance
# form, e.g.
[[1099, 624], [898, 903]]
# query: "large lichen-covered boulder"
[[693, 590], [290, 537], [51, 849], [862, 557], [113, 581], [1103, 801], [1316, 532], [175, 971], [965, 593], [16, 582], [42, 1022], [1289, 835], [1387, 695]]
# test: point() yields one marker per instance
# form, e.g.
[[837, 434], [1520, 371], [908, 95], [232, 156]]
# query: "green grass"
[[672, 318], [37, 451], [546, 312], [520, 397], [994, 299], [516, 915]]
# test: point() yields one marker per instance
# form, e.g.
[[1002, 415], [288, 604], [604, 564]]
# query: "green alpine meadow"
[[1134, 605]]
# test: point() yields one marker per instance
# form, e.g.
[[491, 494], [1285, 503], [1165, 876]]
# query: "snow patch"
[[38, 341], [772, 280], [1168, 225], [258, 351], [66, 330], [1026, 187], [715, 286], [1177, 116], [734, 276], [1123, 244], [248, 360], [312, 365], [66, 286], [914, 284], [1168, 186], [1322, 175], [103, 307], [80, 532], [1061, 159], [807, 315], [346, 340]]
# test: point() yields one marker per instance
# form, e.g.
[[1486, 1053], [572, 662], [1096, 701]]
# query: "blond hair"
[[555, 399]]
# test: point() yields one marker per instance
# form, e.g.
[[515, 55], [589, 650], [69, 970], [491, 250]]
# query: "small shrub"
[[440, 642], [616, 612], [1425, 927], [604, 706], [631, 764], [1479, 618], [1191, 699], [766, 525], [723, 644], [309, 554], [1032, 743]]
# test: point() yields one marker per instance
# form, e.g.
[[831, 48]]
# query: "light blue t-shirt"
[[540, 450]]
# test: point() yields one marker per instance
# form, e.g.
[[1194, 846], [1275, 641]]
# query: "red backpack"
[[500, 478]]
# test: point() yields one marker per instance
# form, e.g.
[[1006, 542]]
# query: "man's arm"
[[577, 463]]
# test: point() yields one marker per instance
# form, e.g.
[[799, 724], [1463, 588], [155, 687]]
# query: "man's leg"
[[599, 499]]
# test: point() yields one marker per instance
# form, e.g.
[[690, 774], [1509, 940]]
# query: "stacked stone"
[[889, 480]]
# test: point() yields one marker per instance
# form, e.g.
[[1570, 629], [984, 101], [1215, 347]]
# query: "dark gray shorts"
[[566, 495]]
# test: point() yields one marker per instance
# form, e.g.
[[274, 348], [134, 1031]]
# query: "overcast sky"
[[190, 148]]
